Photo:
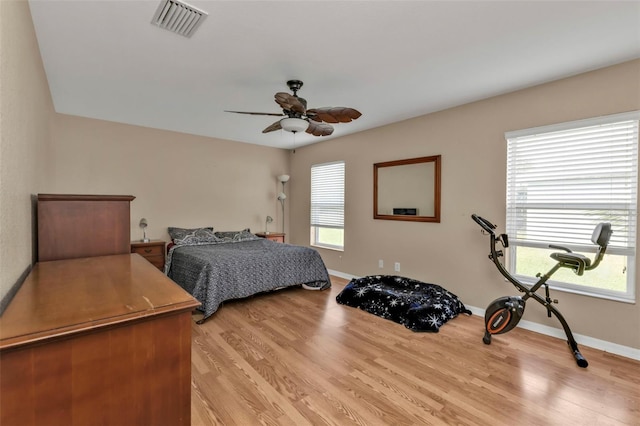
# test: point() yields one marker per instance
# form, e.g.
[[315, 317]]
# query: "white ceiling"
[[391, 60]]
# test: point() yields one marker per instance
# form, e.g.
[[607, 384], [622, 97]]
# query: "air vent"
[[178, 17]]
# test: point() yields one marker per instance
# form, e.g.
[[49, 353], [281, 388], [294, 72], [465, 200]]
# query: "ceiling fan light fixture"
[[294, 124]]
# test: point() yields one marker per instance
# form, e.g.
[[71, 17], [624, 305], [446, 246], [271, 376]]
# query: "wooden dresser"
[[278, 237], [95, 334], [97, 340], [153, 251]]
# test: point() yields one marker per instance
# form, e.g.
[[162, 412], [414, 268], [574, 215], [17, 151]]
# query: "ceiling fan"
[[299, 118]]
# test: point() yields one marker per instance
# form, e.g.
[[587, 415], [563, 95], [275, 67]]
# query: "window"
[[562, 180], [327, 205]]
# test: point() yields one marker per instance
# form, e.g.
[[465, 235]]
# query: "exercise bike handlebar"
[[484, 223], [495, 255]]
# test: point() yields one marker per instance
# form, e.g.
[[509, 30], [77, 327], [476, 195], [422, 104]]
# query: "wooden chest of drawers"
[[153, 251]]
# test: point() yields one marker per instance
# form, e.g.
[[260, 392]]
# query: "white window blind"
[[327, 195], [564, 179]]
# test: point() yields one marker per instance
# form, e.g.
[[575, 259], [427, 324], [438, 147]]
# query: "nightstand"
[[278, 237], [153, 251]]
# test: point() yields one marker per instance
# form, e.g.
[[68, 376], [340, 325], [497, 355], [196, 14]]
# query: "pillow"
[[198, 236], [236, 236], [179, 233]]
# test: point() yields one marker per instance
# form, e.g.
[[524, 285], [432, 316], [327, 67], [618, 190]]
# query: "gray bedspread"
[[213, 273]]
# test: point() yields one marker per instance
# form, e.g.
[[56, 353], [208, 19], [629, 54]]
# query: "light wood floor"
[[296, 357]]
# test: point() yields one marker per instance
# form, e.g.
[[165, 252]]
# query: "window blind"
[[327, 195], [563, 180]]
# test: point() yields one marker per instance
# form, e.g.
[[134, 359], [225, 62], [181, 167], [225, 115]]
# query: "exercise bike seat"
[[578, 262], [575, 261]]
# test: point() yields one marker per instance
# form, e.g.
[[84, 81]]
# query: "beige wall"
[[471, 141], [25, 108], [177, 179]]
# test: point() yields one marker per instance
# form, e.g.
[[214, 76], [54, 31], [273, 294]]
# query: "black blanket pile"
[[418, 306]]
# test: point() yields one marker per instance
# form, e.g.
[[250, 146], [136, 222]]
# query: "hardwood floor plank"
[[387, 395], [296, 357], [206, 408]]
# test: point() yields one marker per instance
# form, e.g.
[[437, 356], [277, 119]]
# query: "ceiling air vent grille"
[[178, 17]]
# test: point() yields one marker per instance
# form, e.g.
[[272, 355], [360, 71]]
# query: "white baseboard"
[[603, 345], [341, 274]]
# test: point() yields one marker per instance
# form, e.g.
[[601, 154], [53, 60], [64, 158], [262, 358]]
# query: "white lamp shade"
[[283, 178], [282, 196], [294, 124]]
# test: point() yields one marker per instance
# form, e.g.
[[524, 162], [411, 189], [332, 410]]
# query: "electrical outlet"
[[396, 267], [380, 263]]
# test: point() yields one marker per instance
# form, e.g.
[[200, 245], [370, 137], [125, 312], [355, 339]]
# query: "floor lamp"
[[282, 196]]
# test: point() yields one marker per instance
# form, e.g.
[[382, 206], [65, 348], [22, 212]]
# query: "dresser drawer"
[[146, 251]]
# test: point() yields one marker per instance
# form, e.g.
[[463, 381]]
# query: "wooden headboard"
[[72, 226]]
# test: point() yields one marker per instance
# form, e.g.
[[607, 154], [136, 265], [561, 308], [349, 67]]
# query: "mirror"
[[407, 189]]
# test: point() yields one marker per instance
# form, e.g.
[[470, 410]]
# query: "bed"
[[218, 266], [417, 305]]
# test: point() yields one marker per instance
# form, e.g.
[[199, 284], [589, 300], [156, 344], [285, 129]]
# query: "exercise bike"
[[504, 313]]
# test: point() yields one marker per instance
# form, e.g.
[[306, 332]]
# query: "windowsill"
[[328, 247], [529, 282]]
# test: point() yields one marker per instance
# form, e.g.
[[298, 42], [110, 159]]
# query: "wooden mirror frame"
[[436, 160]]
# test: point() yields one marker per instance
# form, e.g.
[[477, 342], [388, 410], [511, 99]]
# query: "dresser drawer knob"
[[147, 250]]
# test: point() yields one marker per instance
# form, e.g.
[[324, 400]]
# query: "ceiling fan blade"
[[319, 129], [333, 114], [290, 103], [257, 113], [273, 127]]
